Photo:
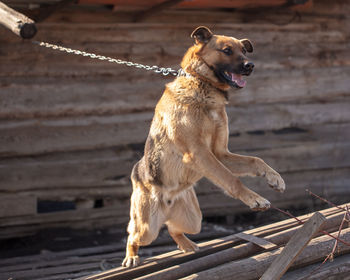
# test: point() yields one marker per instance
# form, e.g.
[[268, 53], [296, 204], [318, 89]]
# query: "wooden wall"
[[71, 127]]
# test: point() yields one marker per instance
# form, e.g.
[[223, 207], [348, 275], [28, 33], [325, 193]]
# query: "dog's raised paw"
[[276, 182], [260, 204], [131, 261]]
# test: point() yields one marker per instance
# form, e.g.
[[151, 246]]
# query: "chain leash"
[[154, 68]]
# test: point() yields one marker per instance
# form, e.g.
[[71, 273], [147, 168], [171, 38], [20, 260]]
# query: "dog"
[[188, 140]]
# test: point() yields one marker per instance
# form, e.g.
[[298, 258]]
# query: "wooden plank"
[[70, 275], [17, 22], [319, 153], [261, 231], [198, 4], [254, 267], [46, 11], [251, 141], [112, 253], [211, 254], [304, 84], [81, 67], [71, 260], [289, 137], [73, 134], [204, 17], [107, 168], [294, 247], [261, 242], [148, 52], [78, 255], [101, 175], [321, 10], [277, 139], [70, 264], [109, 193], [99, 168], [36, 272], [168, 32], [331, 183], [17, 205], [12, 2], [73, 217], [235, 253], [105, 98], [208, 202], [25, 228], [277, 116], [177, 49], [297, 182], [21, 265], [51, 256], [179, 32], [97, 98], [339, 268], [38, 136], [48, 271], [156, 8], [324, 180]]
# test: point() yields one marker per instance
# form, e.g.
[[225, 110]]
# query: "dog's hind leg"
[[146, 219], [185, 217]]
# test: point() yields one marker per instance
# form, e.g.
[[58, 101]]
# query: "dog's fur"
[[187, 141]]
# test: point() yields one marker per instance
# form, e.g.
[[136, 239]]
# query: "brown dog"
[[187, 141]]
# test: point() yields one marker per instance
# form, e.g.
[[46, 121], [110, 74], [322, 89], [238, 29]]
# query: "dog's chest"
[[214, 115]]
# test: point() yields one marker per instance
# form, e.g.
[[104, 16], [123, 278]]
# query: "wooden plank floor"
[[74, 263], [86, 262]]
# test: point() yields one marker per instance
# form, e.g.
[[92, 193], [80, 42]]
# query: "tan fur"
[[188, 140]]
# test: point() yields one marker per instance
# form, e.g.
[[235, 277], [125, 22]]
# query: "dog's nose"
[[248, 66]]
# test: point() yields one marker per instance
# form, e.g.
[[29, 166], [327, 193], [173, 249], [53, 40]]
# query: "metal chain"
[[154, 68]]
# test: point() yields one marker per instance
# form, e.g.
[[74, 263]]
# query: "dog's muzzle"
[[234, 78]]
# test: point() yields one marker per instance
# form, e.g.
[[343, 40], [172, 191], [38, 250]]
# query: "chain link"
[[154, 68]]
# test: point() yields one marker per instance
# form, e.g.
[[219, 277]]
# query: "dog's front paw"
[[131, 261], [260, 204], [275, 181]]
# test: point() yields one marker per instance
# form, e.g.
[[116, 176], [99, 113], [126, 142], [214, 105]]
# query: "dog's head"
[[225, 56]]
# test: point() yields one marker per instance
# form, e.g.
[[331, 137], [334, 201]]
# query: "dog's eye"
[[244, 51], [227, 51]]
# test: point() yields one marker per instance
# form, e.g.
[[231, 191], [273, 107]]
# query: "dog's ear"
[[202, 34], [248, 45]]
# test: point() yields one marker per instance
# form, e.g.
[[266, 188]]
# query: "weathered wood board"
[[75, 263], [294, 247], [17, 205]]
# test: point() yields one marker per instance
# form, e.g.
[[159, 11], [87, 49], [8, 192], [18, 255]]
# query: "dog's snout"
[[248, 66]]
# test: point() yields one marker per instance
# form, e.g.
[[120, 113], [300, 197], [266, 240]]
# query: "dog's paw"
[[275, 181], [131, 261], [188, 246], [260, 204]]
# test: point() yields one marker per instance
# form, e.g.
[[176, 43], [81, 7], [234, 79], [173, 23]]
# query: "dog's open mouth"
[[234, 80]]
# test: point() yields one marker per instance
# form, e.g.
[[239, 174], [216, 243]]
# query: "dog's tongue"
[[238, 80]]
